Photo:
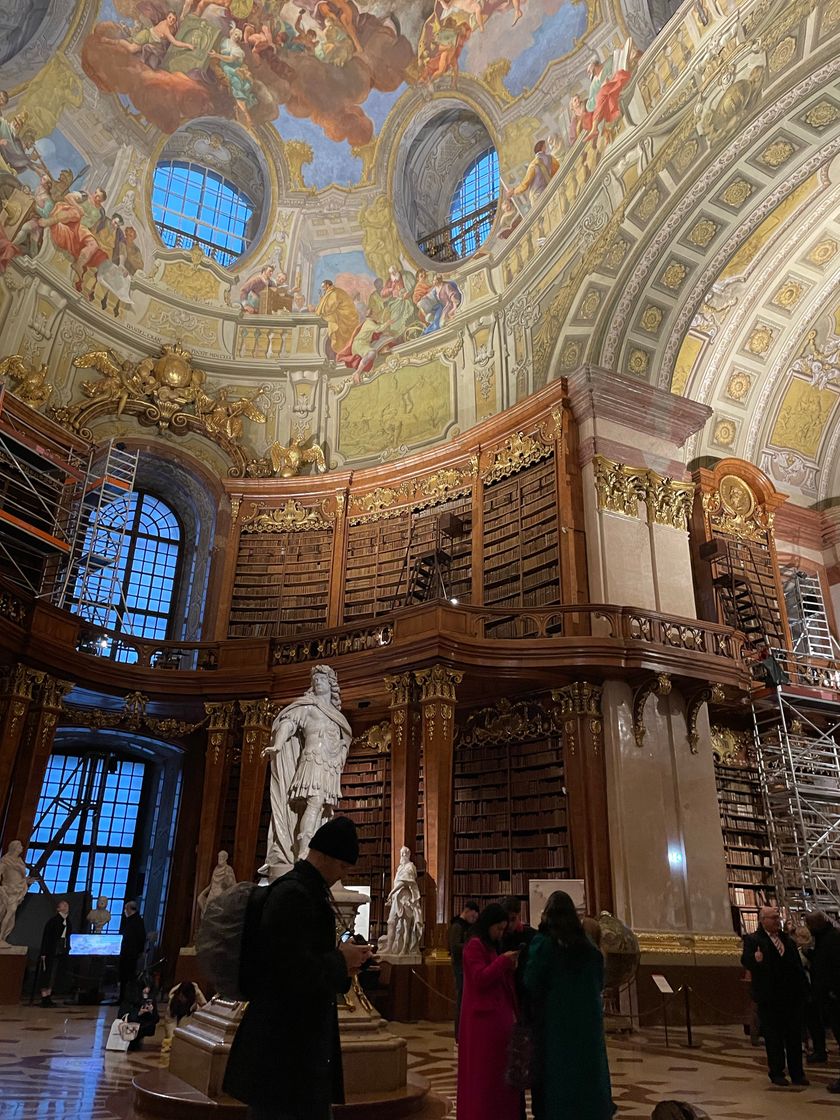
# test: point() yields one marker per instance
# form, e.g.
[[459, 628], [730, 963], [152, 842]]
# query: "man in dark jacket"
[[459, 931], [55, 949], [285, 1060], [779, 989], [133, 943], [825, 976]]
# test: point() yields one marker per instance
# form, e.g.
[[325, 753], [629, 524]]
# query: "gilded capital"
[[580, 698], [53, 691], [669, 502], [401, 687], [220, 715], [20, 680], [619, 488], [258, 713], [438, 683]]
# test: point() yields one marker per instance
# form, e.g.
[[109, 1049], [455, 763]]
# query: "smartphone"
[[346, 935]]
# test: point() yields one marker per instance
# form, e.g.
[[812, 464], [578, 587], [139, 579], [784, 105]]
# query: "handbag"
[[520, 1061], [121, 1034]]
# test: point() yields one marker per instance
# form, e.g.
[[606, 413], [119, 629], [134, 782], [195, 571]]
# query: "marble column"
[[257, 717], [636, 489], [15, 698], [217, 761], [579, 715], [437, 707], [405, 762], [31, 765]]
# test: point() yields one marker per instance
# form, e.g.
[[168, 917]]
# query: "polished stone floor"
[[53, 1066]]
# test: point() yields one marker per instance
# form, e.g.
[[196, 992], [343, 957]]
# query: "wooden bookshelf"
[[282, 583], [366, 798], [521, 555], [745, 840], [510, 819], [381, 555]]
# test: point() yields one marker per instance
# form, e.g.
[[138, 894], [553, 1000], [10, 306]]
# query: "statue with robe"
[[222, 879], [14, 883], [310, 741], [405, 911]]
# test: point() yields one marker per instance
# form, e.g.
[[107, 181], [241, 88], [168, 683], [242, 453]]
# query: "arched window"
[[133, 595], [192, 205], [473, 206]]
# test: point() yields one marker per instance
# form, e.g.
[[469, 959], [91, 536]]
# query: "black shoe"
[[779, 1079], [799, 1081], [46, 1002], [817, 1059], [834, 1087]]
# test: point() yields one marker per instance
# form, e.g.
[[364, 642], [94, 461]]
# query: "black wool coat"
[[51, 939], [133, 930], [286, 1053], [778, 982], [825, 965]]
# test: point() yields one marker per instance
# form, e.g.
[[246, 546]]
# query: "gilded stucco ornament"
[[286, 461], [711, 694], [619, 488], [505, 722], [376, 738], [168, 391], [669, 502], [659, 685], [517, 452], [290, 518], [28, 381], [733, 511]]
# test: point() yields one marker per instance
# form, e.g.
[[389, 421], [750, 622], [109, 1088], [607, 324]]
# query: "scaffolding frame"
[[54, 540], [807, 617]]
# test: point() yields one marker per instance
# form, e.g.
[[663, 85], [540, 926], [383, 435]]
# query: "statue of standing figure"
[[405, 912], [222, 879], [308, 750], [14, 883]]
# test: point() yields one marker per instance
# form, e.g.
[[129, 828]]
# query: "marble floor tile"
[[53, 1066]]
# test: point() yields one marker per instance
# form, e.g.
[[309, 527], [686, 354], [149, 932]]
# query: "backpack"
[[224, 936], [678, 1110]]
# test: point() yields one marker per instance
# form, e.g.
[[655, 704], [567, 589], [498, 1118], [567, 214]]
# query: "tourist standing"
[[824, 961], [488, 1015], [779, 990], [459, 931], [55, 951], [133, 930], [564, 978]]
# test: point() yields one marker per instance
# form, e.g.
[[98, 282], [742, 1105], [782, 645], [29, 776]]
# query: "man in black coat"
[[459, 931], [825, 977], [55, 949], [779, 990], [285, 1060], [133, 943]]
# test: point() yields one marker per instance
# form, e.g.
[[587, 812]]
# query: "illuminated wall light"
[[676, 859]]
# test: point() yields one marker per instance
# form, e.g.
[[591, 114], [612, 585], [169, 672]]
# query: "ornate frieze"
[[580, 698], [438, 683], [418, 493], [517, 452], [290, 518], [506, 722], [133, 716], [376, 738], [731, 748]]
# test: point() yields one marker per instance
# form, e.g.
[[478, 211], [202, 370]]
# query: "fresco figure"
[[255, 284], [339, 310], [69, 233], [540, 171], [231, 61], [152, 43], [606, 81]]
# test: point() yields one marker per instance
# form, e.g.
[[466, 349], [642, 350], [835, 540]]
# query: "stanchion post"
[[686, 991], [665, 1020]]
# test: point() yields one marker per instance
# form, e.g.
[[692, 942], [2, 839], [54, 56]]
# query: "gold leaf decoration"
[[777, 153], [290, 518], [737, 193], [703, 232], [725, 432], [732, 510], [516, 452], [738, 385], [638, 362], [674, 275], [821, 115], [651, 319]]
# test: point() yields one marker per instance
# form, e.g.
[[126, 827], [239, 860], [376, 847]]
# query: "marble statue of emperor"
[[310, 740]]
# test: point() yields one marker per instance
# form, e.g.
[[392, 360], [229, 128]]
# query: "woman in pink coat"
[[488, 1013]]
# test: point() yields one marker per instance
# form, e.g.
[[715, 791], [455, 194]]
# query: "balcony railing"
[[460, 238]]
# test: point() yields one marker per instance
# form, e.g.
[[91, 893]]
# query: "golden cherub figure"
[[29, 382], [224, 416], [287, 461]]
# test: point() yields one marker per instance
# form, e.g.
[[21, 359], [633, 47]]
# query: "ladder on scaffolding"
[[90, 583], [807, 617], [746, 588]]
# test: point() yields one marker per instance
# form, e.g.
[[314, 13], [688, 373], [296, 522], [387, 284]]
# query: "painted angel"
[[287, 461]]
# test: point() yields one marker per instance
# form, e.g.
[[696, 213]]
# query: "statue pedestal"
[[374, 1060], [401, 958], [12, 972]]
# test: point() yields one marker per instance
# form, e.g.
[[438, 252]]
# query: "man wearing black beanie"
[[285, 1060]]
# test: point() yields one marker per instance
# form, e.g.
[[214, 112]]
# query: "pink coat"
[[488, 1012]]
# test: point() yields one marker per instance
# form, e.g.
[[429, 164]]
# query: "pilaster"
[[257, 718], [405, 762], [437, 707], [579, 714], [216, 773], [16, 696]]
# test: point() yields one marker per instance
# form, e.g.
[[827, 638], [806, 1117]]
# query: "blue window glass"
[[133, 594], [473, 206], [101, 798], [192, 205]]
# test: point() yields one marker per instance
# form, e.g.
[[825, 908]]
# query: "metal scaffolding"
[[796, 735], [56, 539], [809, 630]]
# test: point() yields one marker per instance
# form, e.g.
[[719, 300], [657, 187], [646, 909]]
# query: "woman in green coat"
[[564, 977]]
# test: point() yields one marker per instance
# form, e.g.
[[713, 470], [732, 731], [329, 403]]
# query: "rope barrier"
[[431, 988]]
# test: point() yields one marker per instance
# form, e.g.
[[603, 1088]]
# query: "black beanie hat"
[[337, 838]]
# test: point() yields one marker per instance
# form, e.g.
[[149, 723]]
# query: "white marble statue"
[[405, 912], [14, 883], [222, 879], [100, 915], [308, 751]]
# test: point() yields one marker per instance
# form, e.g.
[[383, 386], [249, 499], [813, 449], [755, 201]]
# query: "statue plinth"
[[400, 958], [12, 972], [200, 1049]]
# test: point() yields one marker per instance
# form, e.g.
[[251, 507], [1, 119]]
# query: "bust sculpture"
[[222, 879], [310, 741], [405, 914], [14, 883], [100, 916]]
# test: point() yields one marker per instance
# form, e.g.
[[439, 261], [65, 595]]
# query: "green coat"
[[571, 1075]]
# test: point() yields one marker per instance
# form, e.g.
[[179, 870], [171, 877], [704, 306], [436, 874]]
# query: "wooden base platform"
[[160, 1093]]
